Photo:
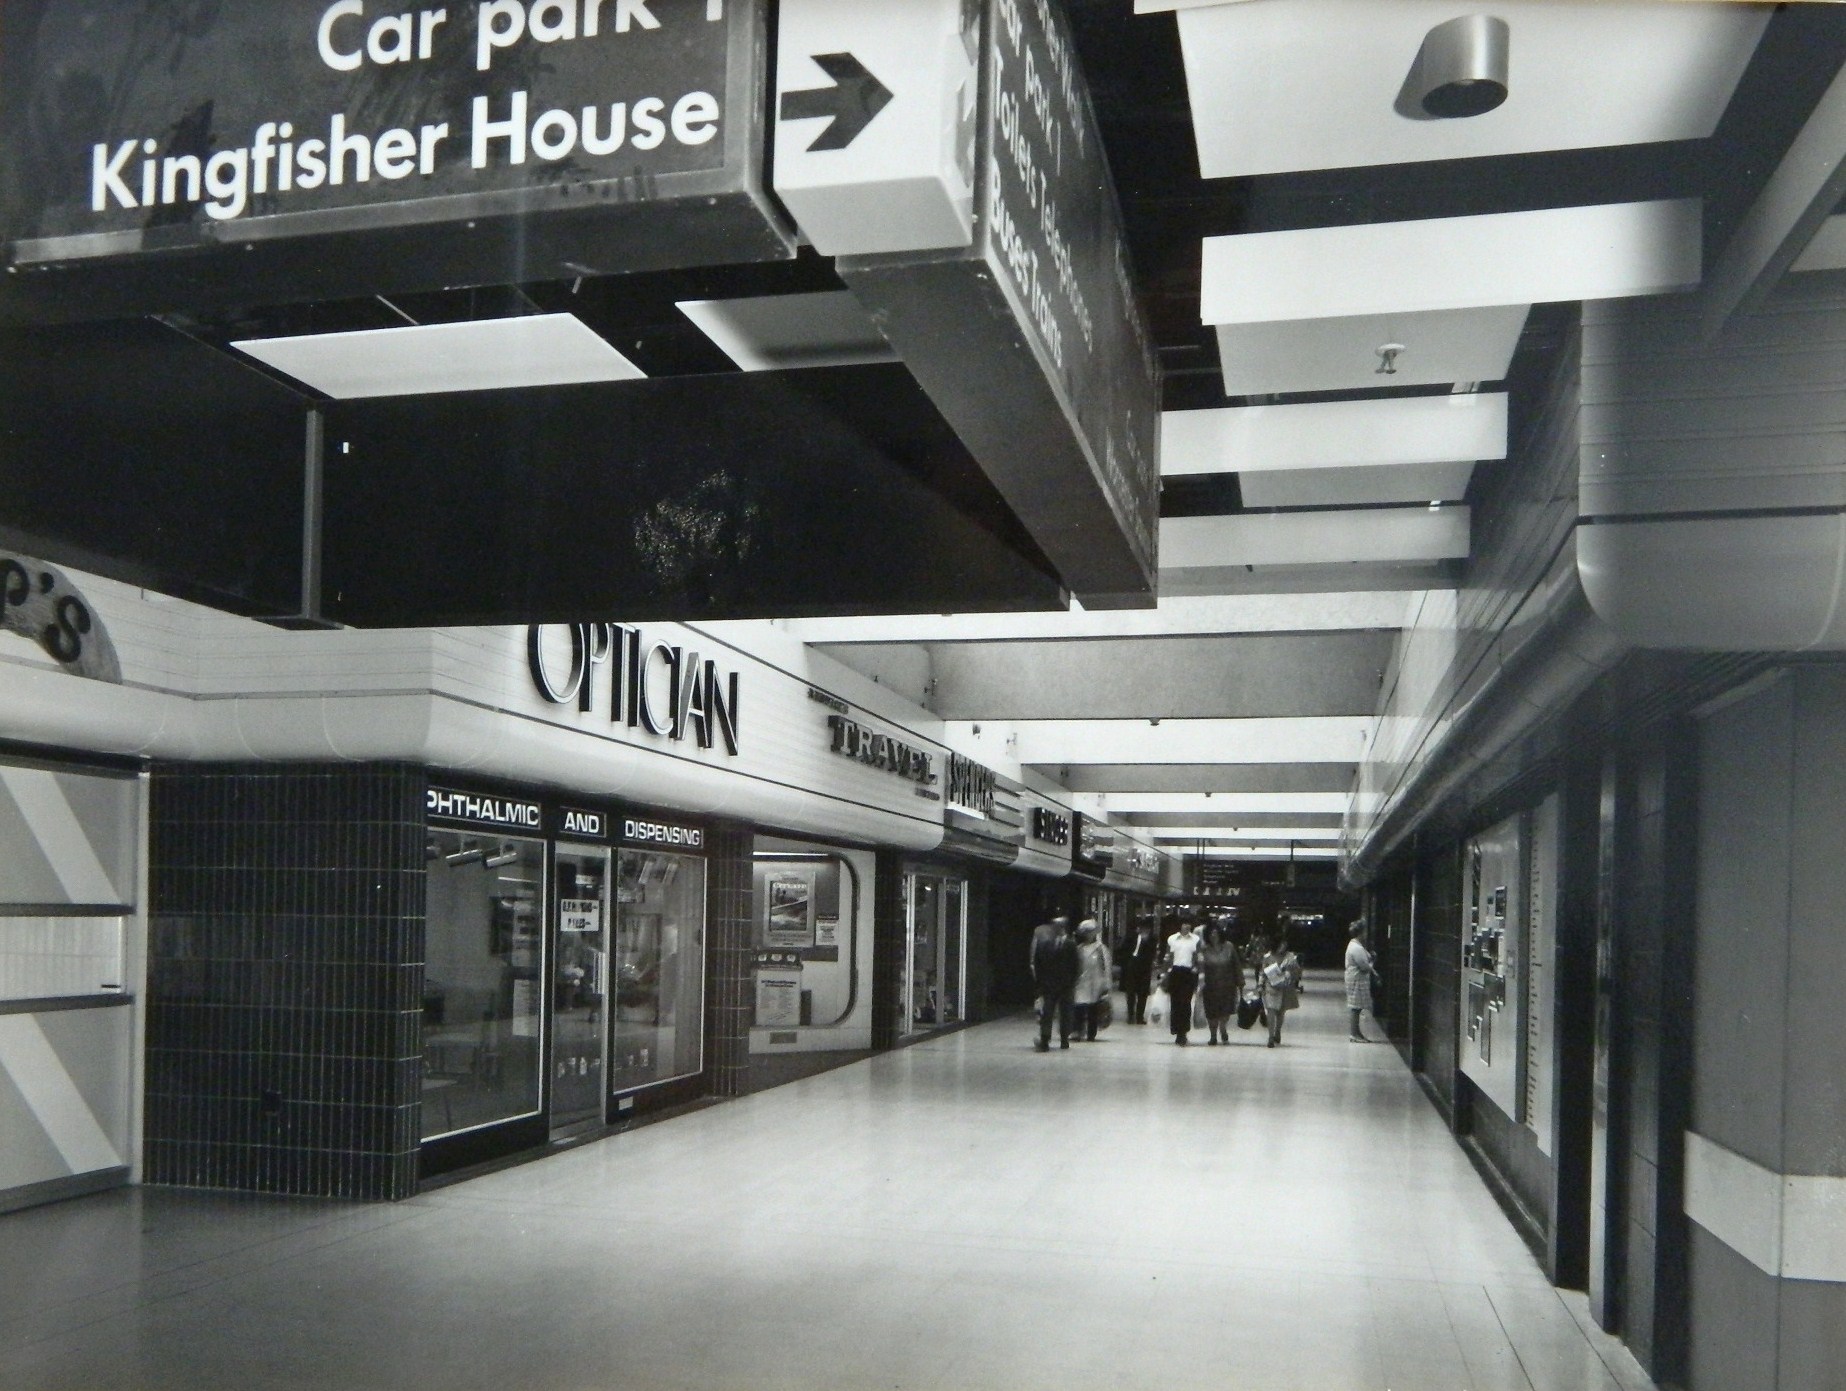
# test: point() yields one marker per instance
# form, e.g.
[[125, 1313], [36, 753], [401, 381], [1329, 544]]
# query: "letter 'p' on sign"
[[875, 112]]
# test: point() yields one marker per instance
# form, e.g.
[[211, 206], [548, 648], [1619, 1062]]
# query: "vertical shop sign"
[[1031, 342]]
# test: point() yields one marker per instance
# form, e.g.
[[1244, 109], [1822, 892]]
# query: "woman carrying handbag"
[[1281, 985]]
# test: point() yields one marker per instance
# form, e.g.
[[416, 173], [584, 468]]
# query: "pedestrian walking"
[[1182, 977], [1281, 985], [1054, 972], [1220, 982], [1095, 973]]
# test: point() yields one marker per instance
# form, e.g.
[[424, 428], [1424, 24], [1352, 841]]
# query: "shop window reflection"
[[482, 1003], [659, 969]]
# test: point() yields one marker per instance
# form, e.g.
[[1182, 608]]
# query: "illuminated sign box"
[[477, 143]]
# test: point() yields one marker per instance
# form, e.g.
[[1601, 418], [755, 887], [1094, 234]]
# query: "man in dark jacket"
[[1054, 970], [1138, 959]]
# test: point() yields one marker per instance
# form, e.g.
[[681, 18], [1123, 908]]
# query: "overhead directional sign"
[[876, 122], [849, 103], [484, 143], [1025, 333]]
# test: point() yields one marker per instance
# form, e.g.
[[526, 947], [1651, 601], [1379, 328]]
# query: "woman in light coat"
[[1359, 968], [1093, 979]]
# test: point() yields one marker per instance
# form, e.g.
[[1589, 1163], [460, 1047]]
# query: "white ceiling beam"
[[1239, 851], [1356, 487], [1259, 739], [1347, 353], [1803, 191], [1173, 617], [1253, 835], [1227, 803], [1394, 534], [1605, 251], [1463, 428]]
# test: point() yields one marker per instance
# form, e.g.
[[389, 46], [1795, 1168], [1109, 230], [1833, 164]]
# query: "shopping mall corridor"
[[961, 1214]]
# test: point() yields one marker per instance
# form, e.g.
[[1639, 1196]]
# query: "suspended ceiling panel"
[[772, 332], [1356, 487], [1457, 345], [1325, 739], [1284, 538], [1283, 85], [1232, 674], [1335, 434], [1603, 251], [1268, 823], [425, 359], [1334, 780], [1172, 617], [1224, 803]]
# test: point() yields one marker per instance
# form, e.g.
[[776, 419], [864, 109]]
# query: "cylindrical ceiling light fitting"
[[1461, 67]]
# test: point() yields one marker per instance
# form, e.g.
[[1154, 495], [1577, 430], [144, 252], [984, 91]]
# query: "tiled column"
[[728, 956], [1766, 1151], [888, 942], [285, 978]]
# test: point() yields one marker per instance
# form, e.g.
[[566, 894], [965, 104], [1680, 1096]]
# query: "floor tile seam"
[[195, 1287], [1483, 1289], [183, 1269]]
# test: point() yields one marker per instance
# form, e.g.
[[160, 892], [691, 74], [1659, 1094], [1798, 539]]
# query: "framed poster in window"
[[788, 911]]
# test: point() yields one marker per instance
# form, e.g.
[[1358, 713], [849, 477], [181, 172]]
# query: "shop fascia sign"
[[878, 750], [971, 786], [660, 688], [1052, 827], [484, 809], [40, 604]]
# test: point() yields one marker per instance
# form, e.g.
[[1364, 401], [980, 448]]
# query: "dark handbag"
[[1103, 1012], [1248, 1012]]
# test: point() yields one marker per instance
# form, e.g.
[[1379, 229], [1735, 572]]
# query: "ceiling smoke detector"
[[1388, 354], [1459, 71]]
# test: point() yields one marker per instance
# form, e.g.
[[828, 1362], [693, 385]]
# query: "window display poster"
[[827, 934], [580, 915], [789, 911], [778, 990]]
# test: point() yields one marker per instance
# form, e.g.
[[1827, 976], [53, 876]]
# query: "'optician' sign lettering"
[[658, 687]]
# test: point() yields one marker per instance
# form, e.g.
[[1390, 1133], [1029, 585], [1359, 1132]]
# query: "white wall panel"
[[1335, 434]]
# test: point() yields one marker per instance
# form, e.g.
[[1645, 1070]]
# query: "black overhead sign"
[[136, 129], [1030, 342]]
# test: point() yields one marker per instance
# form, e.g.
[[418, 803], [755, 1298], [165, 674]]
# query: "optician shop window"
[[659, 968], [483, 1006]]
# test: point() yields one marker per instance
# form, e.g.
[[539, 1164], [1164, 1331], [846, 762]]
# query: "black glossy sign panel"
[[738, 495], [165, 155], [131, 451], [1032, 343]]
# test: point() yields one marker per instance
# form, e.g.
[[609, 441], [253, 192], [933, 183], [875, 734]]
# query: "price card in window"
[[580, 915]]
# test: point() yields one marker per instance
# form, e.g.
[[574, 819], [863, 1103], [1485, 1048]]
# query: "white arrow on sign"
[[875, 109]]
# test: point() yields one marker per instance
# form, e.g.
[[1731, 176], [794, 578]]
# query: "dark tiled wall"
[[1656, 840], [729, 913], [285, 978], [887, 947], [1440, 912]]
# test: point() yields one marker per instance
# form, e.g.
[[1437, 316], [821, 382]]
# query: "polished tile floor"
[[962, 1214]]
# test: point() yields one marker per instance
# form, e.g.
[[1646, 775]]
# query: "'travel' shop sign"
[[134, 126], [663, 689], [853, 740]]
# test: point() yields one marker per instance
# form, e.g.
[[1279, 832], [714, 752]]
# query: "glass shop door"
[[580, 989]]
